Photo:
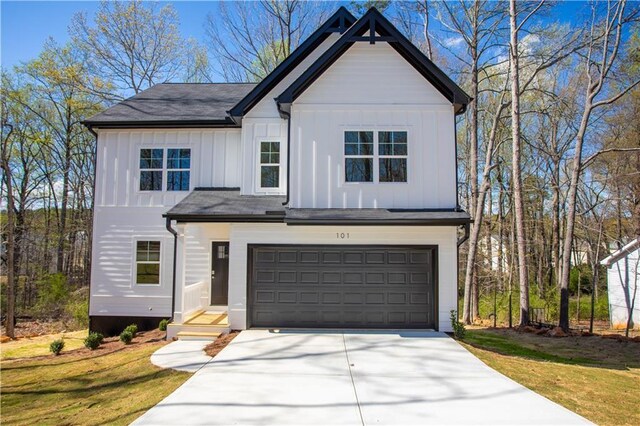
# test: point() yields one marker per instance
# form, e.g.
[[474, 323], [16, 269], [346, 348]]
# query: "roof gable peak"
[[373, 27]]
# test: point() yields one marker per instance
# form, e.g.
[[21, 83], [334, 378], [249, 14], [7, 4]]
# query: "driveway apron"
[[355, 378]]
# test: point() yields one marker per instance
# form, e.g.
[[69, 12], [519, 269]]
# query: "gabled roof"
[[337, 23], [379, 29], [171, 104], [623, 252]]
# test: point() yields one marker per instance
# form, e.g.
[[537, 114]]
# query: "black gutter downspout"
[[288, 115], [175, 256]]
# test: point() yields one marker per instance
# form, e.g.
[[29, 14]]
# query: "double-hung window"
[[154, 172], [358, 153], [151, 165], [392, 156], [148, 262], [375, 156], [269, 164], [178, 166]]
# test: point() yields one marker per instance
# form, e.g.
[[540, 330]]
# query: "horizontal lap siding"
[[113, 288]]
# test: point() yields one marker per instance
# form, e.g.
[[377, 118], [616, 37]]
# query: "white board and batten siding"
[[124, 215], [263, 124], [371, 87]]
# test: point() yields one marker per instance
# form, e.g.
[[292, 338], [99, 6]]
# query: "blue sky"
[[27, 24]]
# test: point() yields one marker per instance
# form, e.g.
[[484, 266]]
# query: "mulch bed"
[[212, 349], [34, 328]]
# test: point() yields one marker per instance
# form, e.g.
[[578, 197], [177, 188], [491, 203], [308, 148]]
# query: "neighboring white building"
[[623, 279], [323, 196]]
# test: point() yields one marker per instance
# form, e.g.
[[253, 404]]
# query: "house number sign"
[[342, 235]]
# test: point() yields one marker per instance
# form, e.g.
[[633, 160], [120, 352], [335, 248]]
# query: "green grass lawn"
[[594, 377], [114, 384], [38, 346]]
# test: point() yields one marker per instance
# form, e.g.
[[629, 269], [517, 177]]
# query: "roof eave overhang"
[[193, 218], [374, 222], [156, 124]]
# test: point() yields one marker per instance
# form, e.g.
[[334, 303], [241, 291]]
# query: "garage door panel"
[[342, 286]]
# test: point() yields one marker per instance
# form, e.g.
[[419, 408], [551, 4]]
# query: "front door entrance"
[[219, 273]]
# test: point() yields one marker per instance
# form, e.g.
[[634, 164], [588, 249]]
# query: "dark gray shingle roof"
[[227, 205], [168, 103], [375, 217]]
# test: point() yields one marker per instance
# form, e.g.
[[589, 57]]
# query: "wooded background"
[[548, 151]]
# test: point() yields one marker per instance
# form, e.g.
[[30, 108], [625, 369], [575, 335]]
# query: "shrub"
[[56, 346], [78, 312], [126, 336], [458, 327], [163, 325], [133, 329], [53, 294], [93, 340]]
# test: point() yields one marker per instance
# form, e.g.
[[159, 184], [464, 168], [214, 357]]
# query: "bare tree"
[[133, 45], [599, 65], [249, 39]]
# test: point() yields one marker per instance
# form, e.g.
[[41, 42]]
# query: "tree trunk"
[[11, 265], [517, 172]]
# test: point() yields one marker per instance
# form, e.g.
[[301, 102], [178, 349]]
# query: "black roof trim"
[[337, 23], [374, 22], [164, 124], [376, 222]]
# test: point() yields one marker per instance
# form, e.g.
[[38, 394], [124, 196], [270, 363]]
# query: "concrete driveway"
[[354, 378]]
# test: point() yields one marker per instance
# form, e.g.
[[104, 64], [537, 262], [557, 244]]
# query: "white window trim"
[[379, 156], [134, 278], [164, 170], [376, 157], [139, 170], [167, 169], [258, 163]]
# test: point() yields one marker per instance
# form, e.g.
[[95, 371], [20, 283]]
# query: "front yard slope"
[[595, 377], [114, 384]]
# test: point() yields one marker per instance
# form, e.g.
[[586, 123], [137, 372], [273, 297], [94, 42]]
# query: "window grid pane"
[[269, 164], [358, 150], [148, 262], [178, 165]]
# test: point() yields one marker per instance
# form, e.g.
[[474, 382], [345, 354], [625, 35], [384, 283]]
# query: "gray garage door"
[[342, 286]]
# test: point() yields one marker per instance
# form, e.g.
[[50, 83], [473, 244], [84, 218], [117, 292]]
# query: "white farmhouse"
[[623, 279], [324, 196]]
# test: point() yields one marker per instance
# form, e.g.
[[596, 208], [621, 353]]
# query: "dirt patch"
[[212, 349], [34, 328], [616, 351]]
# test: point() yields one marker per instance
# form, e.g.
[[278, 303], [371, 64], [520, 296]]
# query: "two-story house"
[[324, 196]]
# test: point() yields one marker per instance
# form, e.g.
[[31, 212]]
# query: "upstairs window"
[[358, 152], [154, 172], [178, 166], [269, 164], [151, 164], [148, 262], [392, 156], [375, 156]]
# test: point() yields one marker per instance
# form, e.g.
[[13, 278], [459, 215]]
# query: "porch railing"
[[193, 297]]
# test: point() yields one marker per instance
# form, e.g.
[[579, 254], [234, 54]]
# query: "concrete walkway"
[[182, 355], [264, 377]]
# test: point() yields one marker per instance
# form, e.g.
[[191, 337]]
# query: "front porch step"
[[203, 325], [194, 335]]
